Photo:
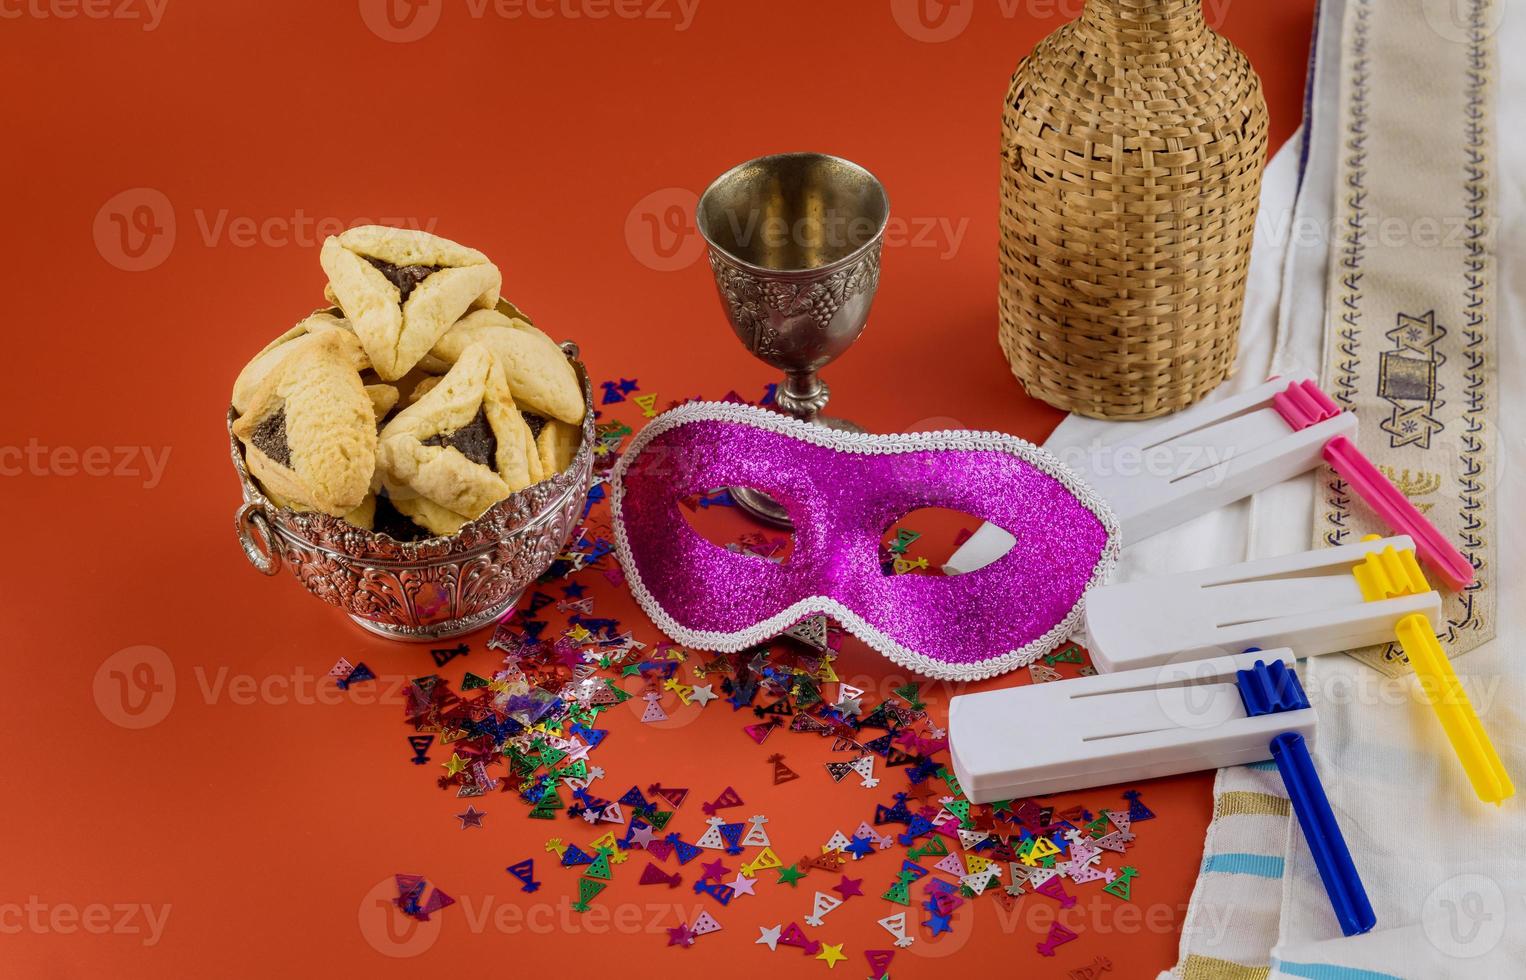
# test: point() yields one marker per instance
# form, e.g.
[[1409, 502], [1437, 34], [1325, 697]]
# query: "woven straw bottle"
[[1133, 143]]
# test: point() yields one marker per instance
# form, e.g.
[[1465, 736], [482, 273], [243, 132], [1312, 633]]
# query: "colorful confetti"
[[527, 728]]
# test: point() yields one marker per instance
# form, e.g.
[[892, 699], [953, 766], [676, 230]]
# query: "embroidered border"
[[1353, 251]]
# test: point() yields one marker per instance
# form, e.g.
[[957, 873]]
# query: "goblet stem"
[[803, 395]]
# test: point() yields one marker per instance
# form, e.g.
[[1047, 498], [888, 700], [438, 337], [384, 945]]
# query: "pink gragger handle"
[[1302, 405]]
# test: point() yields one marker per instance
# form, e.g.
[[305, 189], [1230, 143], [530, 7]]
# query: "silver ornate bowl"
[[431, 589]]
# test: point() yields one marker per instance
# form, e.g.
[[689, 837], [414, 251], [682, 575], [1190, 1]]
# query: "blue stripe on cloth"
[[1266, 765], [1329, 971], [1260, 865]]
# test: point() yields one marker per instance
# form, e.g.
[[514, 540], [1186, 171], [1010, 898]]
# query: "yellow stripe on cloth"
[[1239, 803], [1196, 967]]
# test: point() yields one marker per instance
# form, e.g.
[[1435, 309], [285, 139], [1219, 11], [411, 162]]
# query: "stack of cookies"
[[417, 404]]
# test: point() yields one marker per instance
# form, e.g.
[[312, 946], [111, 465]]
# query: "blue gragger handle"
[[1331, 855]]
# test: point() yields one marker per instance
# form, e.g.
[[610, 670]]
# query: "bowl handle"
[[249, 521]]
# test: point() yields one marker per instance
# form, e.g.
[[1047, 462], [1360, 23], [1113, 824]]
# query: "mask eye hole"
[[715, 517], [922, 542]]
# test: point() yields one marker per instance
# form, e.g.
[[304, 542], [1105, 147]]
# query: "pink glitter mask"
[[843, 491]]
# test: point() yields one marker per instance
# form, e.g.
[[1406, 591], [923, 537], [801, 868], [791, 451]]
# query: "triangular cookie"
[[460, 448], [310, 432], [403, 289], [539, 374], [557, 443], [270, 358]]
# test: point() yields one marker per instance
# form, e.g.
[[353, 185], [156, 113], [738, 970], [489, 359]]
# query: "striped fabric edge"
[[1198, 967], [1325, 971], [1260, 865], [1237, 803], [1246, 812]]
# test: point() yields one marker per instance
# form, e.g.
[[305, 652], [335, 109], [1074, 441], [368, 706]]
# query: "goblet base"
[[760, 505]]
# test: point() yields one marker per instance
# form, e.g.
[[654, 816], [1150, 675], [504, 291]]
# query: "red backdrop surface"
[[171, 169]]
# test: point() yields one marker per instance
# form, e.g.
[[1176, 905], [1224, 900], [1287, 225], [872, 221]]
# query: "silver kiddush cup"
[[795, 242]]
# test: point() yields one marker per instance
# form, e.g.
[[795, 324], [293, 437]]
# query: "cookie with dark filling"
[[403, 289], [309, 433], [460, 448]]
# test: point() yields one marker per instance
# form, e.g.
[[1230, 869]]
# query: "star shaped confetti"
[[524, 731], [849, 887], [832, 954], [789, 874]]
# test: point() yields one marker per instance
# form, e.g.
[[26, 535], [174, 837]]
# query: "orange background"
[[261, 813]]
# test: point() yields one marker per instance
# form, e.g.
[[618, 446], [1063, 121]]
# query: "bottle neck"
[[1145, 23]]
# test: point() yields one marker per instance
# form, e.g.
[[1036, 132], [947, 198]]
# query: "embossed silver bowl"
[[430, 589]]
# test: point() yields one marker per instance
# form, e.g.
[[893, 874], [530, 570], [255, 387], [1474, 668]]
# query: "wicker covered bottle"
[[1133, 144]]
